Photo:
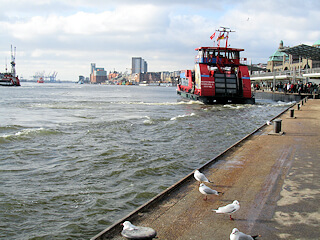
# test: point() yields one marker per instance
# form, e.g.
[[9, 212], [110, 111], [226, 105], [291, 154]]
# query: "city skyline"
[[57, 36]]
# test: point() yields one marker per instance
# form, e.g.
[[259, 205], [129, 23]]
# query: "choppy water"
[[76, 158]]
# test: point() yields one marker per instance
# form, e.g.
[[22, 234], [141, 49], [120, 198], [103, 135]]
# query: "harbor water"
[[76, 158]]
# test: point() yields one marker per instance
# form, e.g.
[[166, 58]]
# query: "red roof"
[[221, 49]]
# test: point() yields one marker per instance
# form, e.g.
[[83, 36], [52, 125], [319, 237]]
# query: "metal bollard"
[[291, 112], [298, 105], [302, 103], [305, 99], [277, 125]]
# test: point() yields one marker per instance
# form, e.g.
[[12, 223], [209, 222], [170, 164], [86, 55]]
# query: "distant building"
[[277, 59], [97, 75], [167, 77], [281, 61], [149, 77], [113, 75], [139, 65]]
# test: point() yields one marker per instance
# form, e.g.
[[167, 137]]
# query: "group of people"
[[298, 88], [310, 88]]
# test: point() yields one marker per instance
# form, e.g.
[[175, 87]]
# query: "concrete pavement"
[[275, 177]]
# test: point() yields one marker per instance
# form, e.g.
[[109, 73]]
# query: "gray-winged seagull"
[[229, 209]]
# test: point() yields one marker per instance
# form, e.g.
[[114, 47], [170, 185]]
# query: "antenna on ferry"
[[13, 63], [6, 65], [223, 34]]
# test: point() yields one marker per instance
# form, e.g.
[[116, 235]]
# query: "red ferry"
[[10, 78], [218, 77]]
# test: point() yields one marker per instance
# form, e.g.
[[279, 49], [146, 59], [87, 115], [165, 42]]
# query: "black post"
[[291, 112], [277, 125]]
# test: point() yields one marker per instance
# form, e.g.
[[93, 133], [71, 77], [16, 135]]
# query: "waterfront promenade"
[[275, 177]]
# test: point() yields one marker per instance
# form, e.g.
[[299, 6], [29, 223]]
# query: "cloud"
[[70, 35], [121, 21], [260, 26]]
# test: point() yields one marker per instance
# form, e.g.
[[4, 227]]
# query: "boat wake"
[[161, 103], [235, 106]]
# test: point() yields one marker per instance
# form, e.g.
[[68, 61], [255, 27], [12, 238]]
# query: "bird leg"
[[231, 218]]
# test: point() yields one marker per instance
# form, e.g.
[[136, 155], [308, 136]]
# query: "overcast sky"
[[67, 35]]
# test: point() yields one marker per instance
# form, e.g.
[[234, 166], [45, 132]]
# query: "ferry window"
[[200, 54], [222, 54], [205, 54], [185, 82], [211, 54]]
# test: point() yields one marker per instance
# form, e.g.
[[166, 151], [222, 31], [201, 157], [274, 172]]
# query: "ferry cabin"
[[218, 77]]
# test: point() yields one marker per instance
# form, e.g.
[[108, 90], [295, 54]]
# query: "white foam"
[[23, 132], [148, 120], [182, 116]]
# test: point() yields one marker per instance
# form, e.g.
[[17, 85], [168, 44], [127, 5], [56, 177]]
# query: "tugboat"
[[218, 77], [10, 78]]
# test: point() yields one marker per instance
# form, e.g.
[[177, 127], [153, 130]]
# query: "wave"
[[233, 106], [182, 116], [270, 102], [60, 105], [27, 133], [148, 121], [161, 103], [281, 104]]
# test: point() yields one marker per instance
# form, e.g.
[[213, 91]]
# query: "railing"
[[287, 72]]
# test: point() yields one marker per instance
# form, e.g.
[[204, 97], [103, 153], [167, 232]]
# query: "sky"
[[66, 36]]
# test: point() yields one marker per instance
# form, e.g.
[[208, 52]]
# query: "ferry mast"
[[223, 35], [13, 61]]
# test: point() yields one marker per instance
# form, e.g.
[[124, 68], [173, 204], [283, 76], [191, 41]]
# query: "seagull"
[[269, 123], [131, 231], [229, 209], [237, 235], [206, 190], [199, 176], [129, 226]]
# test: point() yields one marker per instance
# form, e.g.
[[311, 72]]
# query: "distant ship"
[[40, 80], [10, 78], [219, 77]]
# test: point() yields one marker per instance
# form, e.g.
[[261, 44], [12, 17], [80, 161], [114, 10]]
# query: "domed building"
[[277, 58], [296, 58], [316, 44]]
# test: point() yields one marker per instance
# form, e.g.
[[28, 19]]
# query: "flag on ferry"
[[221, 37], [212, 36]]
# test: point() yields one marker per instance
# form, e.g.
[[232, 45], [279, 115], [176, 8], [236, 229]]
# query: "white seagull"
[[206, 190], [237, 235], [229, 209], [131, 231], [269, 123], [129, 226], [199, 176]]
